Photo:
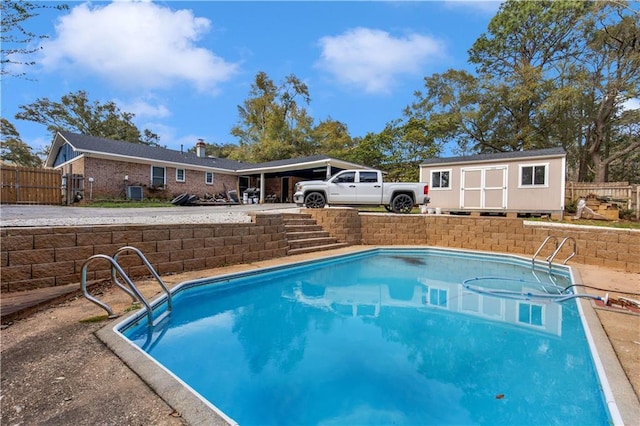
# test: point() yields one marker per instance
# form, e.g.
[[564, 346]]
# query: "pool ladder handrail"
[[132, 290], [558, 247]]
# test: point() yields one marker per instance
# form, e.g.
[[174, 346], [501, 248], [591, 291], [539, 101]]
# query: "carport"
[[276, 179]]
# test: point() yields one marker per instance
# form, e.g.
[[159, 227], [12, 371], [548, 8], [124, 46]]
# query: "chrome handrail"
[[149, 267], [129, 288]]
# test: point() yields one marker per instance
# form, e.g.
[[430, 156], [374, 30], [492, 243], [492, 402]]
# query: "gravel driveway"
[[30, 215]]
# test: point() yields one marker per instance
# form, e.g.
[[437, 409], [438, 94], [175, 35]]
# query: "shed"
[[509, 183]]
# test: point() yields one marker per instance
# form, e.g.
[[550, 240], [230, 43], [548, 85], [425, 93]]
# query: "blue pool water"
[[381, 337]]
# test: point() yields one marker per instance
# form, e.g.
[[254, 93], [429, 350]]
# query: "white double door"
[[483, 187]]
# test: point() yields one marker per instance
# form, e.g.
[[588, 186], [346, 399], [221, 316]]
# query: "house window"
[[534, 175], [208, 178], [529, 313], [441, 179], [180, 175], [157, 176]]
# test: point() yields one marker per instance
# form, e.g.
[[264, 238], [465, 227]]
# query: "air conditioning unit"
[[134, 193]]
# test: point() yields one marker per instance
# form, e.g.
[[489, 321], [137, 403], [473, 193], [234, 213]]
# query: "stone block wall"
[[341, 223], [607, 247], [44, 257]]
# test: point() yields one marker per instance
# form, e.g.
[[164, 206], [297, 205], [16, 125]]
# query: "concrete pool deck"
[[55, 370]]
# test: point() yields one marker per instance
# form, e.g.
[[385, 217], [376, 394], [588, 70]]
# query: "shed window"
[[441, 179], [158, 176], [529, 313], [180, 175], [208, 178], [534, 175]]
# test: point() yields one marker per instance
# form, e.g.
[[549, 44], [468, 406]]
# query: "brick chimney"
[[200, 146]]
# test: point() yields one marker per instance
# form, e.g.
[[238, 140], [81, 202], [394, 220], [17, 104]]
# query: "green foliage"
[[76, 113], [275, 125], [549, 74], [218, 150], [571, 207], [13, 150], [272, 124], [16, 39]]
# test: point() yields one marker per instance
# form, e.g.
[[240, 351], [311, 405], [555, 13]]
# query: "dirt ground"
[[55, 371]]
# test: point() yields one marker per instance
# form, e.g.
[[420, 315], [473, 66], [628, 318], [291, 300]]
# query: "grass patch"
[[134, 307], [119, 204], [97, 318]]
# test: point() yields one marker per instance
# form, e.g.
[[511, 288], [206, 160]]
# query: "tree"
[[548, 73], [13, 150], [273, 125], [330, 137], [75, 113], [226, 150], [612, 70], [16, 39]]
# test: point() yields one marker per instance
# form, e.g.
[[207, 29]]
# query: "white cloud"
[[489, 7], [633, 103], [144, 109], [372, 59], [136, 44]]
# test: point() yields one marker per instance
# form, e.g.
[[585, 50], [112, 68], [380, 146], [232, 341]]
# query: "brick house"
[[104, 168]]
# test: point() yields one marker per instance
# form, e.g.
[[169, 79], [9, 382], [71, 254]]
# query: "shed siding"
[[497, 185]]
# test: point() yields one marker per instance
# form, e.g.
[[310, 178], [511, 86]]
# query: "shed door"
[[484, 188]]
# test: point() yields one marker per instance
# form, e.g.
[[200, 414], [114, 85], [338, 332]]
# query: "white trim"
[[432, 187], [533, 166], [184, 175], [483, 187], [206, 175], [164, 174]]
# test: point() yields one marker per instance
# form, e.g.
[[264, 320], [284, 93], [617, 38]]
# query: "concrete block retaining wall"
[[607, 247], [42, 257]]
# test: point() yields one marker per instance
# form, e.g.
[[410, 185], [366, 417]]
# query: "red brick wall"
[[108, 180], [44, 257]]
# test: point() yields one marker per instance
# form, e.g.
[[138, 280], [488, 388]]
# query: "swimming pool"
[[383, 336]]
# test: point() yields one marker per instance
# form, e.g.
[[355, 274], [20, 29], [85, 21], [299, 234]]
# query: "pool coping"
[[620, 398]]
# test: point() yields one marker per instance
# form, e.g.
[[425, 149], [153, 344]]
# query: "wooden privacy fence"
[[622, 192], [30, 185]]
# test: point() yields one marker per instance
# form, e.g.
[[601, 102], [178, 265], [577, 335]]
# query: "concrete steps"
[[306, 236]]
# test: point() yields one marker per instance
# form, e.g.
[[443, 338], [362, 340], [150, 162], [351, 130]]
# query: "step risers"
[[306, 236], [317, 248], [302, 228], [311, 242], [300, 222], [295, 216], [302, 235]]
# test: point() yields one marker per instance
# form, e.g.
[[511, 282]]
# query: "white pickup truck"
[[360, 187]]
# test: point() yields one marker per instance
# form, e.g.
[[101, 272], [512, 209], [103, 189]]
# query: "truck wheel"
[[402, 203], [315, 200]]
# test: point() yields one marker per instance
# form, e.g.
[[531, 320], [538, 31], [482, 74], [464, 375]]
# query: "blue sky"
[[183, 67]]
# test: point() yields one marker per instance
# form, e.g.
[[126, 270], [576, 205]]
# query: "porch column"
[[328, 173], [262, 189]]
